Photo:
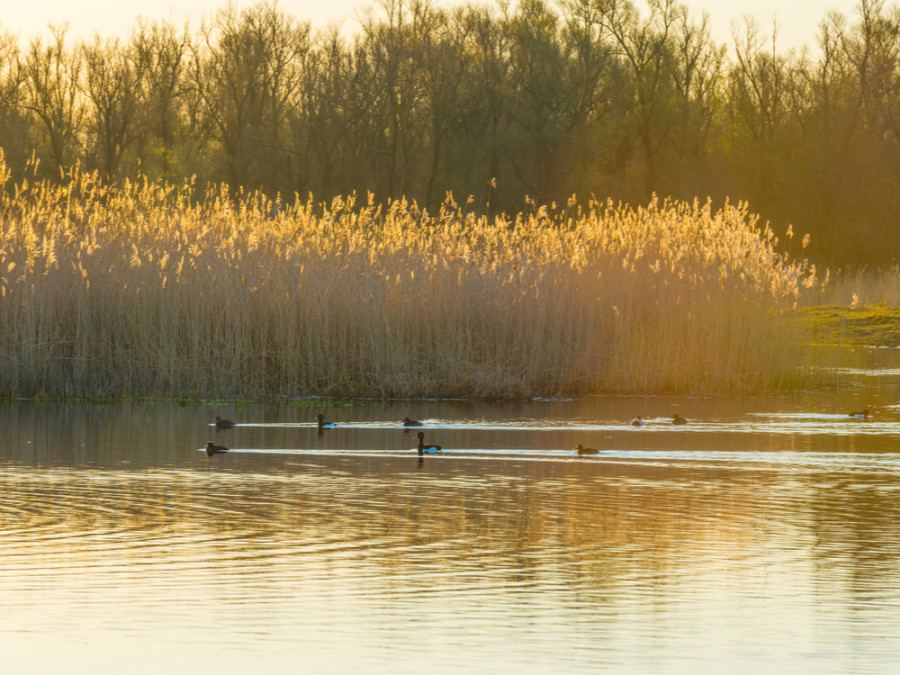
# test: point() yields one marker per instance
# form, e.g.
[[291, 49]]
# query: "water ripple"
[[507, 552]]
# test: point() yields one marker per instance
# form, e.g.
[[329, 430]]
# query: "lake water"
[[762, 537]]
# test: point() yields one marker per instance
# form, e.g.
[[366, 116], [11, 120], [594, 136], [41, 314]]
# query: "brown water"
[[763, 536]]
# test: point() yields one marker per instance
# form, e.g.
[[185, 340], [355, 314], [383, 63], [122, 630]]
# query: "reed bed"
[[859, 287], [155, 289]]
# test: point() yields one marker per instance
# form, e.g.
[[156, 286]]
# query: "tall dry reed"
[[859, 287], [153, 289]]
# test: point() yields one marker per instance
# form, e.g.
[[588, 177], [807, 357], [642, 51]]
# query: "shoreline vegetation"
[[121, 278], [151, 289], [868, 326]]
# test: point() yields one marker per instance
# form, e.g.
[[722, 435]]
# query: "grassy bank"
[[872, 325], [152, 289]]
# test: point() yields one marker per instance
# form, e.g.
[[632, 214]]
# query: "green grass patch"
[[877, 325]]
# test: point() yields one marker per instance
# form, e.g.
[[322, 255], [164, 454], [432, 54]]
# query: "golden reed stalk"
[[154, 289]]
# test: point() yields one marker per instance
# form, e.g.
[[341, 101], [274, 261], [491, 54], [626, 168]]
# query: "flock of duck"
[[433, 449], [423, 449]]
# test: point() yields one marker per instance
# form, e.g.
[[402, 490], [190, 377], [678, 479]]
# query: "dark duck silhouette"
[[223, 424], [637, 422], [427, 449], [410, 423], [864, 415], [678, 419], [212, 449], [323, 424], [586, 451]]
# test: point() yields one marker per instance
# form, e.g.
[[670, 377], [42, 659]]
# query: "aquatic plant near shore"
[[156, 288]]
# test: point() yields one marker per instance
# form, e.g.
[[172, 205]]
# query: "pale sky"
[[798, 19]]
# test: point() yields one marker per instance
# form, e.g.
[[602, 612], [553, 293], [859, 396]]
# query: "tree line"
[[506, 105]]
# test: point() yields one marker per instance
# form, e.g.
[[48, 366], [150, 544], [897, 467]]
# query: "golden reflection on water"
[[136, 556]]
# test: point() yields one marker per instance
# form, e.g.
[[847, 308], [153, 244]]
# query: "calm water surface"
[[763, 536]]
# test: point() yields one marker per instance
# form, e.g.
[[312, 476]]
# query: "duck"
[[323, 424], [427, 449], [410, 423], [678, 419], [864, 415], [223, 424], [637, 422], [212, 449], [586, 451]]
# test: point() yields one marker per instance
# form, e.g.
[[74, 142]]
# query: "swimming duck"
[[427, 449], [410, 423], [678, 419], [223, 424], [864, 415], [637, 422], [323, 424], [212, 449], [586, 451]]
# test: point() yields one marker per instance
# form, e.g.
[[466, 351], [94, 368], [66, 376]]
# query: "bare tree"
[[646, 49], [14, 136], [698, 69], [322, 122], [246, 76], [441, 48], [388, 91], [111, 84], [52, 73], [160, 52]]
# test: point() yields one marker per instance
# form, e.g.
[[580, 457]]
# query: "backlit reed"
[[164, 290]]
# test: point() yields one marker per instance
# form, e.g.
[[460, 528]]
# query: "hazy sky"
[[798, 19]]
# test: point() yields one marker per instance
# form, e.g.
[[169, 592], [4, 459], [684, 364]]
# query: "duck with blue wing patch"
[[427, 449]]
